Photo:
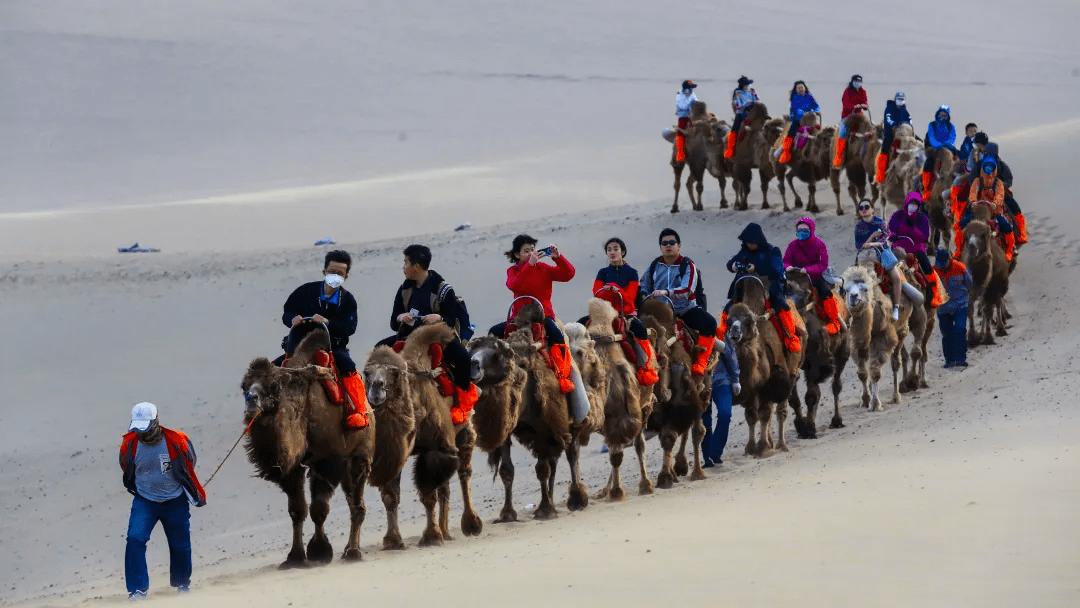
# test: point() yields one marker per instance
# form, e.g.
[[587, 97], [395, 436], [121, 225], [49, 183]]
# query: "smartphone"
[[546, 251]]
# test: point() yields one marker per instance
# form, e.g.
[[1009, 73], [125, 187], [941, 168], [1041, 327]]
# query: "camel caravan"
[[641, 365]]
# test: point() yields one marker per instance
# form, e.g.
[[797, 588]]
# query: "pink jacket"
[[811, 255], [915, 226]]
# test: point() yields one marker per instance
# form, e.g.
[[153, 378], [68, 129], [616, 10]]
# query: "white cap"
[[142, 415]]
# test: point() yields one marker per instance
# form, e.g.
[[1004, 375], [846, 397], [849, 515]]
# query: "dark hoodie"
[[434, 295], [939, 134], [1003, 171], [766, 259], [895, 115]]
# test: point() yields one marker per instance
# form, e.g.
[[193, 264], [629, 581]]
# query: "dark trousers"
[[739, 117], [954, 334], [1012, 205], [456, 356], [794, 128], [924, 261], [175, 518], [823, 288], [637, 328], [700, 321], [554, 334], [886, 141], [716, 439], [342, 359]]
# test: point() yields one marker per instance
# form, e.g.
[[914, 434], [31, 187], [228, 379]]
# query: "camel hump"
[[529, 313], [576, 334], [601, 313], [419, 341], [385, 356]]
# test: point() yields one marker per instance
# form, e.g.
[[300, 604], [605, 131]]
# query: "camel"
[[811, 161], [623, 420], [858, 161], [920, 325], [594, 378], [826, 355], [767, 371], [704, 151], [938, 202], [874, 336], [393, 384], [294, 428], [501, 383], [680, 414], [752, 152], [905, 166], [989, 270]]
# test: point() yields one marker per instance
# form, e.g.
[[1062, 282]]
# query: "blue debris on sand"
[[464, 226], [136, 248], [326, 241]]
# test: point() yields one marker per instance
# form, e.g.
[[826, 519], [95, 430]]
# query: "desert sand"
[[235, 137]]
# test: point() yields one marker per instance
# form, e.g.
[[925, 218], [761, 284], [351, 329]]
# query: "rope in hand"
[[247, 430]]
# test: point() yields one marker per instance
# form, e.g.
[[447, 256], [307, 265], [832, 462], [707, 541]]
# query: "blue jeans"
[[715, 440], [954, 335], [175, 518]]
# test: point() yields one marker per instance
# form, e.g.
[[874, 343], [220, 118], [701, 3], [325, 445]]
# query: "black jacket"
[[433, 296], [307, 301]]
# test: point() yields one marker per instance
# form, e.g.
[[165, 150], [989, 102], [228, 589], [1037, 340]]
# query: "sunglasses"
[[864, 207], [669, 243]]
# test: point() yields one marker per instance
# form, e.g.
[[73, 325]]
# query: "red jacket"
[[525, 280], [182, 455], [854, 98], [625, 279], [988, 188]]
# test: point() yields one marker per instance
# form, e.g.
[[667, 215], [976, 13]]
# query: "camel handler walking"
[[683, 100], [952, 315], [159, 471], [425, 298]]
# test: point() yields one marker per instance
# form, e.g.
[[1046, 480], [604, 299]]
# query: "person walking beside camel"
[[952, 315], [159, 471]]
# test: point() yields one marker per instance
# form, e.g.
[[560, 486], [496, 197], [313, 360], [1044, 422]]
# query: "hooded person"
[[962, 183], [987, 186], [758, 256], [742, 98], [683, 100], [1004, 173], [909, 228], [896, 114], [811, 254], [940, 133], [854, 101]]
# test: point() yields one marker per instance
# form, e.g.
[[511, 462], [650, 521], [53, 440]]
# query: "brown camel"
[[826, 355], [704, 152], [440, 448], [904, 168], [938, 202], [502, 384], [771, 371], [920, 325], [875, 337], [985, 260], [811, 162], [858, 161], [752, 152], [595, 380], [689, 395], [293, 428]]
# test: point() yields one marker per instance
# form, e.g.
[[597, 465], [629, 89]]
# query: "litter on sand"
[[136, 248], [464, 226], [326, 241]]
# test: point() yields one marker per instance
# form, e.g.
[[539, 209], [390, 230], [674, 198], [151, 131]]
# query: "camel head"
[[491, 358], [742, 325], [386, 376], [977, 241], [266, 386], [579, 341], [858, 289]]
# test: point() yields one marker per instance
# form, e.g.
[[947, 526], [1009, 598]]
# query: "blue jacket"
[[801, 104], [895, 115], [957, 281], [940, 134], [727, 372], [967, 147]]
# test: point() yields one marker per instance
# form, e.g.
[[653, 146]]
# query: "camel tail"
[[778, 387], [432, 469], [494, 460]]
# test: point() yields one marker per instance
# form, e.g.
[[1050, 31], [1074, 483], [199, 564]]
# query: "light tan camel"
[[904, 168], [704, 152]]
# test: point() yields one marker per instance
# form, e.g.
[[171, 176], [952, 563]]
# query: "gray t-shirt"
[[153, 472]]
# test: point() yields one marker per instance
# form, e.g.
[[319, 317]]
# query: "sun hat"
[[142, 415]]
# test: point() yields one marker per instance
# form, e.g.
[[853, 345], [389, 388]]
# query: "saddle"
[[435, 351], [682, 332], [621, 327], [334, 387], [916, 270], [884, 280]]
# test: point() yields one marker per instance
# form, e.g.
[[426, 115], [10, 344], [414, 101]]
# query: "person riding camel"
[[425, 298], [528, 277], [896, 114], [854, 101], [970, 131], [618, 284], [1005, 174], [801, 103], [988, 187], [962, 183], [683, 100], [675, 277], [939, 134], [910, 230], [327, 302], [758, 256], [742, 98], [810, 253]]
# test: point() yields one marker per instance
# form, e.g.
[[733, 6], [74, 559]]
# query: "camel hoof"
[[765, 205], [798, 204], [393, 543], [698, 475], [923, 384], [545, 512], [617, 494], [973, 339], [351, 555], [836, 423], [723, 203], [471, 524], [579, 498], [294, 561], [319, 552], [665, 480], [681, 467], [674, 209], [839, 211], [783, 448], [807, 433], [431, 538], [765, 453], [645, 487], [507, 516]]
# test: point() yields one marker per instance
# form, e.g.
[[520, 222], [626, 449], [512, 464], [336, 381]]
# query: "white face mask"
[[900, 102], [856, 85], [333, 281], [912, 208]]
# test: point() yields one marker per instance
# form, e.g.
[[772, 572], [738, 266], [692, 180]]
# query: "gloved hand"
[[736, 388]]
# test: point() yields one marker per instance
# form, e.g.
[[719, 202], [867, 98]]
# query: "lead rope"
[[247, 430]]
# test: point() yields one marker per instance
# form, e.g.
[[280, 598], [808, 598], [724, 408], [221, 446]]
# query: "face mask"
[[912, 208], [988, 169], [856, 85], [942, 118], [802, 234], [900, 102], [333, 281]]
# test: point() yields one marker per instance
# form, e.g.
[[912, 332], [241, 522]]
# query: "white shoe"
[[895, 314]]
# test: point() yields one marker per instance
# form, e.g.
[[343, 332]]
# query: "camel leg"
[[432, 536], [546, 510], [579, 494], [764, 188], [896, 372], [972, 336], [862, 358], [906, 370], [353, 485], [834, 183], [293, 486], [840, 360], [615, 456], [666, 478], [646, 485], [723, 192], [443, 496], [506, 474], [781, 426], [780, 177], [678, 168], [325, 475], [750, 412], [794, 192], [700, 187], [813, 400], [690, 190], [471, 524], [698, 473], [987, 319], [811, 204], [796, 406], [606, 490], [681, 466], [765, 442], [391, 498]]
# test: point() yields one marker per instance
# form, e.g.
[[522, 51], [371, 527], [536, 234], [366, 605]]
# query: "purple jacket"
[[811, 255], [915, 226]]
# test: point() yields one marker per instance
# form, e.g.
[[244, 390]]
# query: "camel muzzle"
[[476, 368]]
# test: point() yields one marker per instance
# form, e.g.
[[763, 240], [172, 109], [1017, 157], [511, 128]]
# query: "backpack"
[[463, 327], [699, 291]]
